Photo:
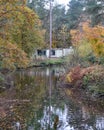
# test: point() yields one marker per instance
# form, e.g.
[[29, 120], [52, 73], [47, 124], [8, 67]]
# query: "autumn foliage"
[[76, 75], [12, 56], [85, 77], [89, 35], [20, 33]]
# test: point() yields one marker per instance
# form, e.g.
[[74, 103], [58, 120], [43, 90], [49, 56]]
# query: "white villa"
[[55, 52]]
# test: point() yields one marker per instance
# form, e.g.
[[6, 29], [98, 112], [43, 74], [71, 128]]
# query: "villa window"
[[39, 52], [44, 52], [52, 52]]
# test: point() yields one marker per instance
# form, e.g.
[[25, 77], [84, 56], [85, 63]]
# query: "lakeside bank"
[[89, 79]]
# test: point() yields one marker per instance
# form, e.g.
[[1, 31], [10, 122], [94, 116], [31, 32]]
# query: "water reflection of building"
[[71, 116], [55, 70]]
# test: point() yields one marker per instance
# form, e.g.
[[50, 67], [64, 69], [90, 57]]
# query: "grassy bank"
[[47, 62]]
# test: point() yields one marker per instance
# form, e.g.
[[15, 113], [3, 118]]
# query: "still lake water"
[[36, 102]]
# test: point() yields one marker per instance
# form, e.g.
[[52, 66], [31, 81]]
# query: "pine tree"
[[95, 10], [74, 13]]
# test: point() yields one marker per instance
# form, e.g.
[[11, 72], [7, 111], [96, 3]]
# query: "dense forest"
[[30, 87], [24, 27]]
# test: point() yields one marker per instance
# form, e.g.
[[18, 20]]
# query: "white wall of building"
[[58, 53], [47, 53]]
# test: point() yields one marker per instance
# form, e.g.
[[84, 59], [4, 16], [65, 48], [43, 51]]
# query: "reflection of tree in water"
[[66, 117], [38, 103], [82, 121], [27, 88], [73, 116], [76, 119], [30, 86], [50, 102], [83, 113]]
